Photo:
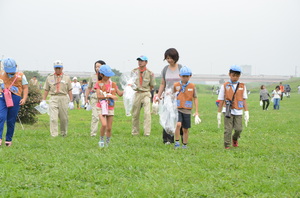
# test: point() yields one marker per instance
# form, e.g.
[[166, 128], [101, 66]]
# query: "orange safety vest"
[[238, 102], [8, 81], [184, 99], [112, 90]]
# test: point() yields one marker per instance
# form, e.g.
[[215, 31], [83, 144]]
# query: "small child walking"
[[276, 94], [234, 95], [106, 92], [186, 95]]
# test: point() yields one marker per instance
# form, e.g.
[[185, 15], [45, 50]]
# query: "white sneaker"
[[101, 143]]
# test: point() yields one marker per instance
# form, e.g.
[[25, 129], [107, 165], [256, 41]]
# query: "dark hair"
[[102, 63], [234, 72], [277, 87], [99, 76], [261, 87], [84, 81], [172, 53]]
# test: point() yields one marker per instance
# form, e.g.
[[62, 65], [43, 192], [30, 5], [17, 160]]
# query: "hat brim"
[[141, 59], [185, 74], [60, 66], [10, 70], [109, 74]]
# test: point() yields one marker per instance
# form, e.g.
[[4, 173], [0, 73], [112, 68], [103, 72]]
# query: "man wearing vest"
[[12, 86], [186, 94], [58, 85], [234, 95], [144, 84]]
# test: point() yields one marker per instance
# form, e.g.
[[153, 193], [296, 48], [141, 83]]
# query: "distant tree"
[[30, 74], [117, 72]]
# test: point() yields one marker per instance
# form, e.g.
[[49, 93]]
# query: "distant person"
[[144, 84], [281, 90], [288, 91], [298, 89], [106, 93], [232, 96], [16, 86], [276, 94], [34, 83], [76, 90], [170, 75], [82, 94], [155, 103], [264, 97], [186, 96], [58, 85], [91, 96]]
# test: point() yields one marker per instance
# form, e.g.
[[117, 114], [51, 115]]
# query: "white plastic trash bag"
[[168, 114], [127, 82], [42, 110], [88, 107], [155, 108]]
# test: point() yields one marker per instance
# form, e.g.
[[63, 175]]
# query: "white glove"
[[197, 120], [219, 116], [246, 117], [43, 104], [71, 105]]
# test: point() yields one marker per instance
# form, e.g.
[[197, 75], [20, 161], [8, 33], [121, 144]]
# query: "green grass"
[[266, 164]]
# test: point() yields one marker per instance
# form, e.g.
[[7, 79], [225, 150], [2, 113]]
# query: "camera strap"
[[237, 86]]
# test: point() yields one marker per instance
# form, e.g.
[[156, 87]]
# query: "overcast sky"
[[210, 35]]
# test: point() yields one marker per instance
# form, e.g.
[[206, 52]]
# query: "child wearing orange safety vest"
[[232, 96], [186, 95]]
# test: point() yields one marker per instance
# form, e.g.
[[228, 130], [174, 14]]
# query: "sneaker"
[[184, 146], [8, 144], [101, 143], [235, 143], [177, 145], [167, 143]]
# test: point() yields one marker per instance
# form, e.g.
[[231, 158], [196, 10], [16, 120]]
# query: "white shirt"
[[221, 96], [76, 88], [276, 94]]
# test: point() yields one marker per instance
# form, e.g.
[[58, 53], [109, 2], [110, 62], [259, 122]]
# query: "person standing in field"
[[276, 94], [288, 91], [91, 96], [58, 85], [264, 97], [13, 93], [170, 75], [145, 82], [232, 96], [186, 95], [281, 87], [76, 89], [34, 83], [106, 92]]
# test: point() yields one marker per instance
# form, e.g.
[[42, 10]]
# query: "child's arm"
[[221, 104], [119, 92], [196, 106], [245, 105]]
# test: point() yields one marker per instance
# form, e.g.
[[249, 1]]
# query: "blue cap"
[[236, 68], [185, 71], [58, 63], [106, 71], [10, 65], [142, 58]]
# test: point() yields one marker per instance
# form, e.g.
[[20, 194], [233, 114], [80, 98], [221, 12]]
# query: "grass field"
[[266, 164]]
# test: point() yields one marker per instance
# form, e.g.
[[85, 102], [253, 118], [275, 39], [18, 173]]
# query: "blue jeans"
[[276, 103], [9, 115]]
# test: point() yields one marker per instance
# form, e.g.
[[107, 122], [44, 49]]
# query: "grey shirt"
[[264, 94]]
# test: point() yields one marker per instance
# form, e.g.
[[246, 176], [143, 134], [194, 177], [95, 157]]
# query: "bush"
[[27, 112]]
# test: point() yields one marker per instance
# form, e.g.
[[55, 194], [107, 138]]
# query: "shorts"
[[76, 97], [111, 112], [185, 120]]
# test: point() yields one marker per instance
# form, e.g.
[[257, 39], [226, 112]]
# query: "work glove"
[[246, 117], [197, 119], [43, 104], [219, 116], [71, 105]]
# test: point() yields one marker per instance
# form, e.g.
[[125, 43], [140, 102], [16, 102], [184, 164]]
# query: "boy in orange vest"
[[186, 94], [233, 95]]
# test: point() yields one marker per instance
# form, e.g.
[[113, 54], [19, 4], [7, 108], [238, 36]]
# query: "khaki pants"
[[139, 99], [95, 116], [58, 109], [234, 122]]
